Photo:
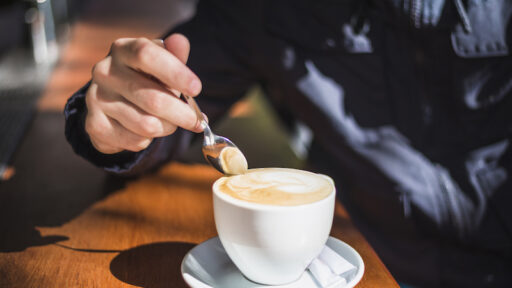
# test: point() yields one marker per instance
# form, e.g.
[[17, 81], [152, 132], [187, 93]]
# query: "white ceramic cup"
[[272, 245]]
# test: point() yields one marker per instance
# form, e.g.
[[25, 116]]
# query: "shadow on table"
[[51, 186], [154, 265], [18, 227]]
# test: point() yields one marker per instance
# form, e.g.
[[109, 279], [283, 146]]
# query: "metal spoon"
[[214, 146]]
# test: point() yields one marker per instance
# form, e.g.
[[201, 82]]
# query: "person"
[[409, 103]]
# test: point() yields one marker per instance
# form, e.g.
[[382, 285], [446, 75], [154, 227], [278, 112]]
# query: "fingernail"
[[195, 87]]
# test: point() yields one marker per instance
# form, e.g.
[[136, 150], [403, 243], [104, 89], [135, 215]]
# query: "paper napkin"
[[330, 269]]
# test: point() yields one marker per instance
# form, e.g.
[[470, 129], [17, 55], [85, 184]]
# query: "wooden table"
[[65, 223]]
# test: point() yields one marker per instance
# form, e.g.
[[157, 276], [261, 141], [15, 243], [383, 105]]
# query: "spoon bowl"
[[213, 145]]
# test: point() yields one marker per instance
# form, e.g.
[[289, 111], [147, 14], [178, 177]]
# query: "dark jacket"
[[410, 103]]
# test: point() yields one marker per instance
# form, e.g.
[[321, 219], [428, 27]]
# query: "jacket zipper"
[[416, 12]]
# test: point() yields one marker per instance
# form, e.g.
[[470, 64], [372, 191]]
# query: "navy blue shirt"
[[410, 103]]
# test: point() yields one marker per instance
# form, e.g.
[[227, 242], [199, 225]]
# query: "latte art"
[[277, 186]]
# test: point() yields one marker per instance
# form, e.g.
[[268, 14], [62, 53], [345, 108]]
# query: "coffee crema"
[[277, 186]]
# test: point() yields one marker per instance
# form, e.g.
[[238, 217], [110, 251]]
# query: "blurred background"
[[47, 51]]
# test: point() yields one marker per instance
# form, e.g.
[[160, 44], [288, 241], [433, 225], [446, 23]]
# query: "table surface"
[[65, 223]]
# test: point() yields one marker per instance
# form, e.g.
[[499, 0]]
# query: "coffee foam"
[[277, 186]]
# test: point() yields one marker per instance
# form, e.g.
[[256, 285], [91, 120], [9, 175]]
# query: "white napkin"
[[330, 269]]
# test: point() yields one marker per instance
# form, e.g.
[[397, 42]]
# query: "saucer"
[[208, 266]]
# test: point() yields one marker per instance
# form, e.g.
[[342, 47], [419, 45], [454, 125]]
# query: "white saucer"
[[208, 266]]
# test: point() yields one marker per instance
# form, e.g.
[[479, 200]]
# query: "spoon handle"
[[192, 103], [209, 138]]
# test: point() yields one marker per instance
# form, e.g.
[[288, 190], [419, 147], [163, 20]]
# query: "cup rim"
[[267, 207]]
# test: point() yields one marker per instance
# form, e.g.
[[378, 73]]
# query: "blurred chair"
[[28, 51], [39, 17]]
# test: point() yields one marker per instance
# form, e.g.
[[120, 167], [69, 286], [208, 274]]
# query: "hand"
[[134, 94]]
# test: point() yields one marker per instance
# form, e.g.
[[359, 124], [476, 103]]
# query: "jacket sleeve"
[[219, 65]]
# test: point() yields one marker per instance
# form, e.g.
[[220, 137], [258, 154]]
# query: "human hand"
[[134, 94]]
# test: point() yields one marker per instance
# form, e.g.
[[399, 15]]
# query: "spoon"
[[219, 151]]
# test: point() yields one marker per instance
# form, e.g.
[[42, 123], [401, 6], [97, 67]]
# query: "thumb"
[[178, 45]]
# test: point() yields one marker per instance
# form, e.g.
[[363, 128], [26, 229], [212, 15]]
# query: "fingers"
[[178, 45], [133, 96], [148, 95], [114, 138], [146, 56], [106, 134], [133, 118]]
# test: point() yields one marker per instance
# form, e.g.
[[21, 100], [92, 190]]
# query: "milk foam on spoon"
[[233, 161]]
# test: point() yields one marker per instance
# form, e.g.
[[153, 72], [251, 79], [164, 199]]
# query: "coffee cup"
[[273, 222]]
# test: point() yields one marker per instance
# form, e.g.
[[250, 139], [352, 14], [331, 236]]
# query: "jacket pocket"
[[486, 32]]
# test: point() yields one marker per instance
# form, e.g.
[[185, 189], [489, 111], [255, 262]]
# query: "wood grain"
[[139, 234]]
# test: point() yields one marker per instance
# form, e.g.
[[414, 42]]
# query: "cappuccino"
[[273, 222], [277, 186]]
